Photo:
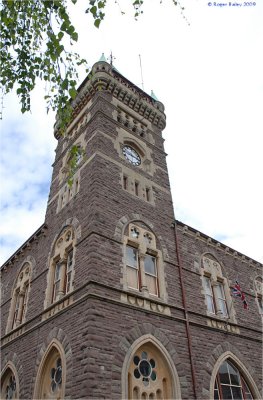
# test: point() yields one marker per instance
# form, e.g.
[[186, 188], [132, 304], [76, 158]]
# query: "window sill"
[[151, 304], [222, 323]]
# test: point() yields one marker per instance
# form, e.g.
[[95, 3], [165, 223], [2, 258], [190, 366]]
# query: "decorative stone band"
[[223, 325], [147, 304], [13, 335]]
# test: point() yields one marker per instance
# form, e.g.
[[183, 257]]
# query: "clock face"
[[131, 155]]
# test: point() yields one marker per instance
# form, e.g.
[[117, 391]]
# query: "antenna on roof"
[[111, 57], [141, 71]]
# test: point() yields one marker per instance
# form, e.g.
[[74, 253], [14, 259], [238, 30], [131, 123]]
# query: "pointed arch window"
[[230, 384], [216, 288], [51, 377], [9, 385], [18, 308], [61, 272], [149, 376], [143, 262]]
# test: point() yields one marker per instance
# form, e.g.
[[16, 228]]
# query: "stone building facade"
[[112, 298]]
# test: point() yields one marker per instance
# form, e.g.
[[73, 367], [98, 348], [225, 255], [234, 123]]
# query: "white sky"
[[209, 77]]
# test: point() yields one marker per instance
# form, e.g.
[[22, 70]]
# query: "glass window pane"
[[222, 307], [132, 278], [70, 260], [220, 291], [55, 293], [151, 284], [223, 373], [208, 288], [237, 392], [68, 284], [226, 392], [149, 265], [216, 396], [234, 375], [57, 272], [131, 257], [210, 304], [260, 303]]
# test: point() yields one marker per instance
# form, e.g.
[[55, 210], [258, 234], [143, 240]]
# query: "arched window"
[[149, 376], [50, 383], [17, 314], [230, 384], [216, 289], [143, 262], [9, 384], [61, 272]]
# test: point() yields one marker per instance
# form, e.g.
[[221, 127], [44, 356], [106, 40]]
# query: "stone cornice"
[[186, 229], [104, 77], [41, 231]]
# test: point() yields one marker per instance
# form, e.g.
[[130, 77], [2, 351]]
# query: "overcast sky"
[[208, 75]]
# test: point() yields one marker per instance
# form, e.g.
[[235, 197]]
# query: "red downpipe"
[[185, 311]]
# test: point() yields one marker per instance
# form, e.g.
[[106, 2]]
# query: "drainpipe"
[[185, 310]]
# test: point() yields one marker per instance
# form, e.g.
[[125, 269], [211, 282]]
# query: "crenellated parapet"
[[105, 77]]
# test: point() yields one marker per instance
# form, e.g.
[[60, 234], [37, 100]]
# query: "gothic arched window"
[[17, 314], [61, 272], [230, 384], [51, 376], [143, 262], [149, 375], [216, 289], [9, 385]]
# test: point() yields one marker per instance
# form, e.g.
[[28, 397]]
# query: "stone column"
[[20, 307], [62, 283], [218, 310], [143, 288]]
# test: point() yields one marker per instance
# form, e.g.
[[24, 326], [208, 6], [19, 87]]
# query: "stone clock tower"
[[120, 193], [120, 211], [111, 298]]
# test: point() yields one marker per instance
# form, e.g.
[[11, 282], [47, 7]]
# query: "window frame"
[[211, 270], [137, 268], [155, 276], [63, 253], [56, 281], [220, 284], [20, 295], [144, 249], [242, 383], [214, 295]]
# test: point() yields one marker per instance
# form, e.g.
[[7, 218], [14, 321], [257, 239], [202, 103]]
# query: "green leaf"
[[74, 36], [93, 10], [60, 35], [73, 93], [97, 22], [64, 84]]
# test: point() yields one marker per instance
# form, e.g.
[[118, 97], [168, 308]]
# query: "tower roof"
[[153, 95], [102, 58]]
